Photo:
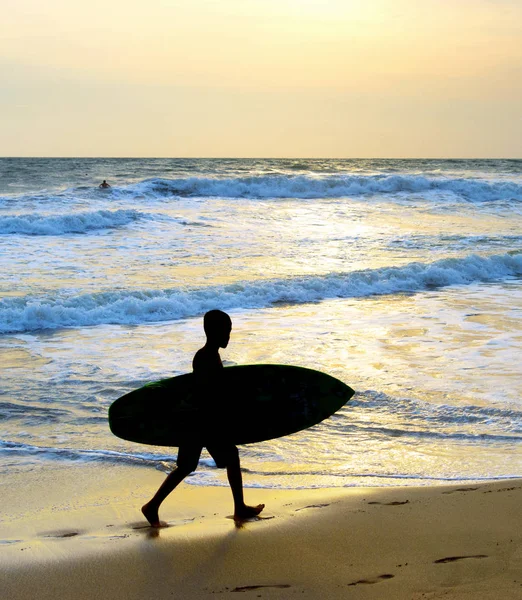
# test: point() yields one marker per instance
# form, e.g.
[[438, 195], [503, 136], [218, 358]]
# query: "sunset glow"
[[261, 78]]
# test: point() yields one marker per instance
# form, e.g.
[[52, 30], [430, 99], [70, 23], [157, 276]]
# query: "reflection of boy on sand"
[[207, 367]]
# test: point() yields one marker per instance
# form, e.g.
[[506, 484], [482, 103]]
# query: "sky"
[[261, 78]]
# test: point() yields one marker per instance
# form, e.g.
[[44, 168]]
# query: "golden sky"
[[268, 78]]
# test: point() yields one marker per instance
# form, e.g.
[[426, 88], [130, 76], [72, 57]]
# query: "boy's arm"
[[208, 369]]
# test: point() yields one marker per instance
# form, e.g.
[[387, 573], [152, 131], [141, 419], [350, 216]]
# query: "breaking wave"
[[142, 306], [82, 222], [335, 186], [284, 186]]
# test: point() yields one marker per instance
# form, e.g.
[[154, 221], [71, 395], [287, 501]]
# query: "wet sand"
[[77, 533]]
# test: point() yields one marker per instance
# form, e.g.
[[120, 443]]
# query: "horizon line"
[[271, 157]]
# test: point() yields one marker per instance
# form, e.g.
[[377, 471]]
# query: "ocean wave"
[[356, 475], [284, 185], [456, 241], [82, 222], [144, 459], [19, 314], [30, 415], [332, 186], [374, 413]]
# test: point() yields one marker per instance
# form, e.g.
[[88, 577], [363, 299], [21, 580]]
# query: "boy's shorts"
[[222, 453]]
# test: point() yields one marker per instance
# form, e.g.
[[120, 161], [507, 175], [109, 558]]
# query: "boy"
[[207, 367]]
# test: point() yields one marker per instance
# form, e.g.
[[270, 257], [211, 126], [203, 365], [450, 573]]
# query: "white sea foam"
[[276, 186], [133, 307], [81, 222]]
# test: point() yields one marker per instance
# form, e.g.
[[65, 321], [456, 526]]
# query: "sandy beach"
[[77, 533]]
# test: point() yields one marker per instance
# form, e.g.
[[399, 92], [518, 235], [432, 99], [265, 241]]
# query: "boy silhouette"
[[207, 368]]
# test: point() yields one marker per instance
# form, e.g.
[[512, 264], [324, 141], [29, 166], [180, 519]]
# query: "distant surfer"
[[207, 367], [104, 185]]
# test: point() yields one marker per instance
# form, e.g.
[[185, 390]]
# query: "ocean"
[[402, 278]]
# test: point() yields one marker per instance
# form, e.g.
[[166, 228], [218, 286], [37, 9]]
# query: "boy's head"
[[217, 325]]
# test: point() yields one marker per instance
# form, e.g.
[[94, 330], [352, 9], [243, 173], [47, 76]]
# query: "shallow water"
[[402, 278]]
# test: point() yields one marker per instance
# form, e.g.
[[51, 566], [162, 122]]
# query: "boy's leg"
[[187, 462], [229, 456]]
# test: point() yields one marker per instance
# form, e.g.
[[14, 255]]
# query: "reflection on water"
[[437, 377], [397, 276]]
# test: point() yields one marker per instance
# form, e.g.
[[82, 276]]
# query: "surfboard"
[[254, 403]]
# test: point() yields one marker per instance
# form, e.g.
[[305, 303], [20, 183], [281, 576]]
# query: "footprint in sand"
[[466, 489], [507, 489], [60, 534], [311, 506], [396, 503], [249, 588], [377, 579], [448, 559]]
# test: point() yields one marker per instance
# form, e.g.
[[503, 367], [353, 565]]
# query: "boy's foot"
[[151, 514], [247, 512]]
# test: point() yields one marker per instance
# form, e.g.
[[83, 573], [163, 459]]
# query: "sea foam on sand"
[[76, 532]]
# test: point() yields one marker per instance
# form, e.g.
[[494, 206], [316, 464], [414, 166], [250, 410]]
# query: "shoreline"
[[76, 532]]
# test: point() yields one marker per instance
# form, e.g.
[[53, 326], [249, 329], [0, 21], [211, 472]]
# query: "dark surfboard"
[[254, 403]]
